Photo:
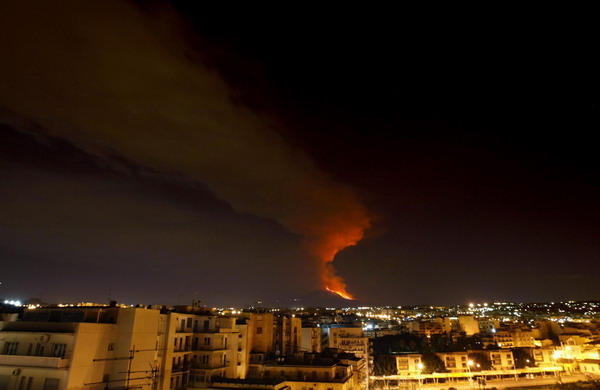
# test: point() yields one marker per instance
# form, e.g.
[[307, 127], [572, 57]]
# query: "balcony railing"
[[208, 366], [33, 361], [210, 348], [181, 367]]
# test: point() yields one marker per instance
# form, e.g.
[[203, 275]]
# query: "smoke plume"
[[115, 80]]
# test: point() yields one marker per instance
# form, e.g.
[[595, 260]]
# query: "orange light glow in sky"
[[339, 235]]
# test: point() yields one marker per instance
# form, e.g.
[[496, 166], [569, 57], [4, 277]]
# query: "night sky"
[[160, 153]]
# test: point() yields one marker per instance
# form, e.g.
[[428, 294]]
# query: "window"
[[189, 322], [402, 364], [59, 350], [51, 384], [10, 348], [207, 341], [259, 330]]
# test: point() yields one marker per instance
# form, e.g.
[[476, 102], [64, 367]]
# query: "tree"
[[385, 365], [432, 363], [522, 358], [480, 361]]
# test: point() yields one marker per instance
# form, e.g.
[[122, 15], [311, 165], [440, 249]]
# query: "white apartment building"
[[56, 349], [409, 364]]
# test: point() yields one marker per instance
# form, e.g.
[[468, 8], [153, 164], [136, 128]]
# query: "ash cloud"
[[115, 80]]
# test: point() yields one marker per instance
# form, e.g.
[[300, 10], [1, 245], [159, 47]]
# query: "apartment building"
[[311, 338], [287, 335], [409, 364], [185, 347], [92, 348], [455, 361], [310, 371], [464, 323], [348, 339], [501, 359]]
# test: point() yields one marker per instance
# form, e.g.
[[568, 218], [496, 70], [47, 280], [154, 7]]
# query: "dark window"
[[51, 384], [10, 348], [59, 350]]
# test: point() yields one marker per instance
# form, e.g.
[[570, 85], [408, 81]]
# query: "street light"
[[469, 364], [556, 355]]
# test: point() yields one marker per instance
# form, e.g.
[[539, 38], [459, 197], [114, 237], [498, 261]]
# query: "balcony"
[[210, 348], [208, 366], [181, 367], [33, 361], [185, 348]]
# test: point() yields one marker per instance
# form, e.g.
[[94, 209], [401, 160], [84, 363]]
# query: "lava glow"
[[337, 234], [341, 294]]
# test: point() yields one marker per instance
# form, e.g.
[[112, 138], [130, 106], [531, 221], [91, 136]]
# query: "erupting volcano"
[[197, 132], [340, 232]]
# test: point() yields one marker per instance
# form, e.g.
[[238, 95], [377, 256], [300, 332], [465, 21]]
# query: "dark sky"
[[167, 152]]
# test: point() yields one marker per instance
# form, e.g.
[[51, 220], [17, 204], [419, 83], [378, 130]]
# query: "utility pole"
[[152, 374]]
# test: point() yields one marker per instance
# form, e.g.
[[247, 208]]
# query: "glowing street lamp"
[[469, 365], [556, 355]]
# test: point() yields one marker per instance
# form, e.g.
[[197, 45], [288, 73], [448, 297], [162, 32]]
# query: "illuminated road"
[[505, 383]]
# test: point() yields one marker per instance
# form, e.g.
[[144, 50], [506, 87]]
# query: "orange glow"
[[333, 235], [341, 294]]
